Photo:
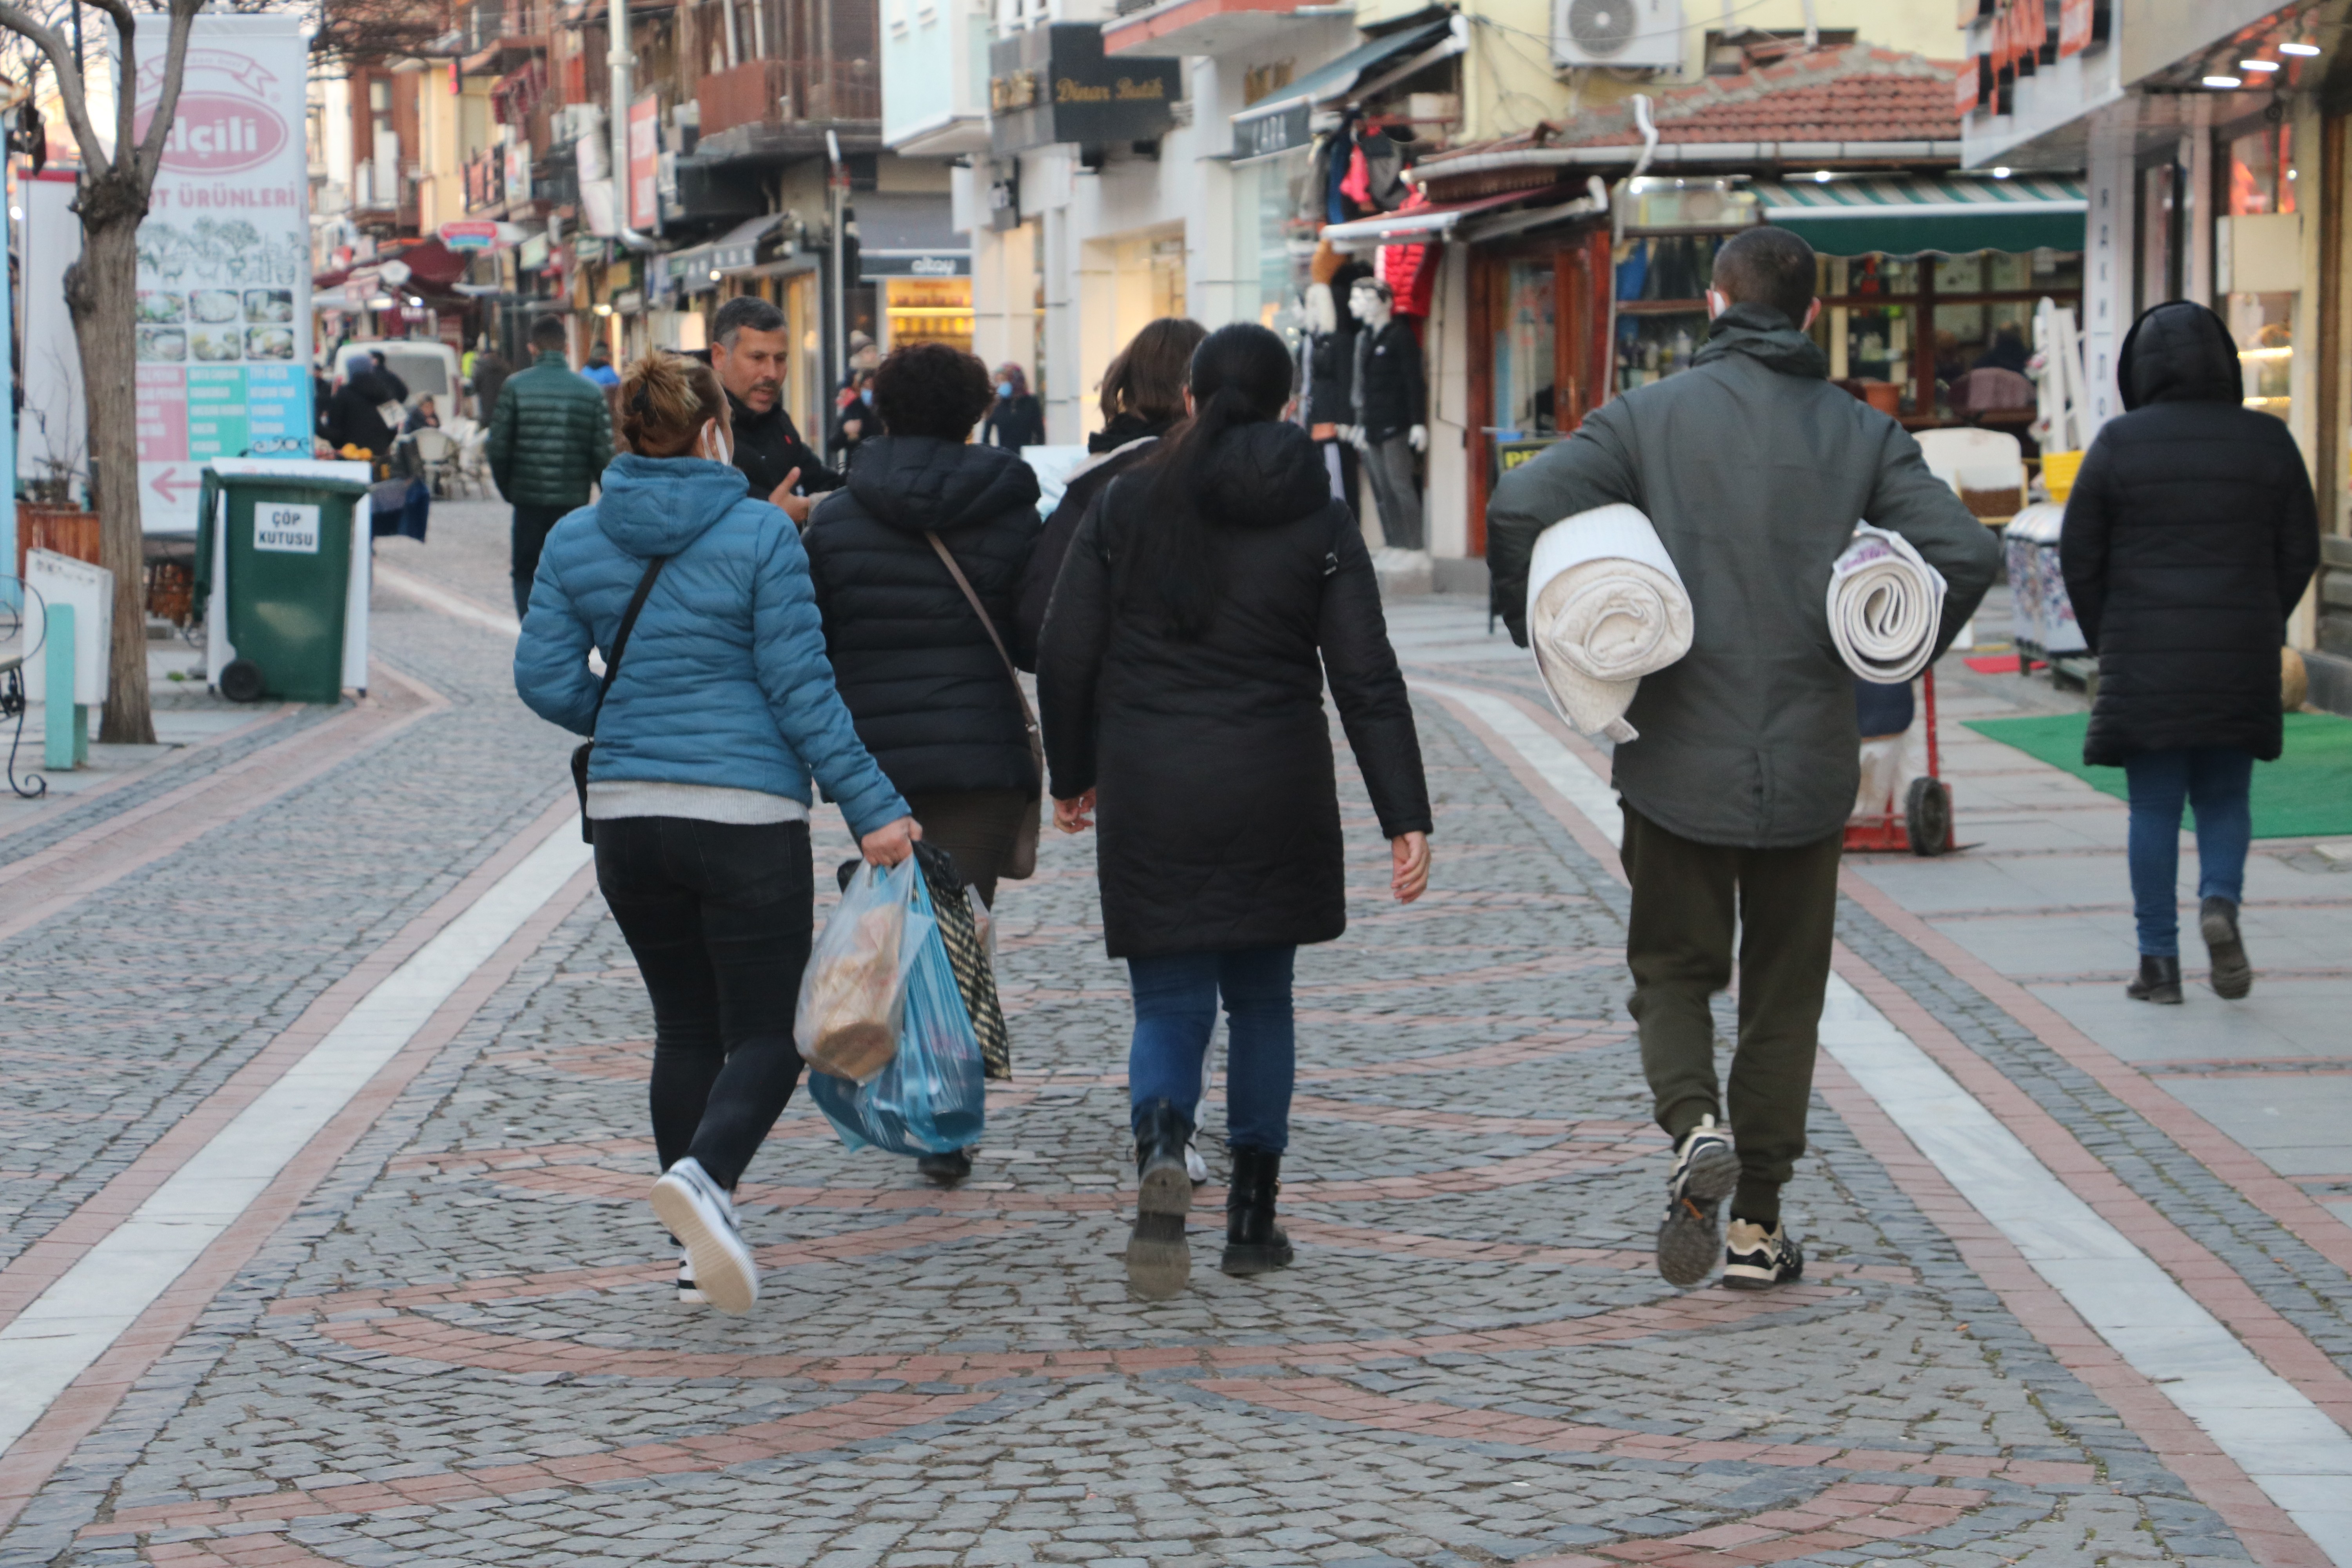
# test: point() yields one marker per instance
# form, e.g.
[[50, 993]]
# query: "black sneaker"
[[1706, 1168], [1755, 1258], [2217, 923], [945, 1170]]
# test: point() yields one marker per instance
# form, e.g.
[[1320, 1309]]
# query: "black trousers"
[[977, 826], [719, 917], [1679, 944], [530, 526]]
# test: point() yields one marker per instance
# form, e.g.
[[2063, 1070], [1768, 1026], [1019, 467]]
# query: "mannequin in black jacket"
[[1390, 395]]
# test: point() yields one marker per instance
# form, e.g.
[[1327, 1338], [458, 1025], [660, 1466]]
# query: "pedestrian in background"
[[927, 673], [489, 374], [2189, 537], [751, 347], [1752, 465], [1014, 419], [720, 708], [1205, 600], [355, 413], [854, 419], [550, 436], [599, 368], [1143, 398]]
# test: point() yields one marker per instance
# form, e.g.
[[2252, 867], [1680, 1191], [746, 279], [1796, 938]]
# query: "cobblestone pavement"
[[453, 1340]]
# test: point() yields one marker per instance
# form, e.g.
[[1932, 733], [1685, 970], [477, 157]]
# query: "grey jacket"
[[1754, 470]]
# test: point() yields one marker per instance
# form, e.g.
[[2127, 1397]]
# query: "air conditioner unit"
[[1635, 33]]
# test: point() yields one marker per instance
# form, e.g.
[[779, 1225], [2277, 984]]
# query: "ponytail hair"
[[665, 400], [1241, 375]]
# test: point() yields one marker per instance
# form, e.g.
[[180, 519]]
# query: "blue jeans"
[[2213, 779], [1175, 1011]]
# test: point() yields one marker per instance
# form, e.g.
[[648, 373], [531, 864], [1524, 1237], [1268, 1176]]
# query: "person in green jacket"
[[550, 436]]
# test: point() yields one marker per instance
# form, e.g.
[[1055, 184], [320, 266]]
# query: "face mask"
[[865, 396], [714, 444], [1004, 389]]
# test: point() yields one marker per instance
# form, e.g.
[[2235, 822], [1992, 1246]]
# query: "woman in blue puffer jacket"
[[699, 785]]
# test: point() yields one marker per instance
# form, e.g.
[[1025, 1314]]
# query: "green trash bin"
[[288, 567]]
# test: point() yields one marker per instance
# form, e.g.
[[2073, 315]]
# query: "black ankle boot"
[[1253, 1243], [1158, 1260], [2217, 923], [2160, 980]]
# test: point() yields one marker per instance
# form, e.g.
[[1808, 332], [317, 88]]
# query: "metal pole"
[[840, 179], [619, 60]]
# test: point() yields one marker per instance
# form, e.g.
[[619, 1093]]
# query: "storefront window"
[[928, 311], [1661, 282], [1525, 342], [1905, 331], [2261, 182]]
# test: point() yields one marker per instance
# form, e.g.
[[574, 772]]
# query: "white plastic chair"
[[436, 459]]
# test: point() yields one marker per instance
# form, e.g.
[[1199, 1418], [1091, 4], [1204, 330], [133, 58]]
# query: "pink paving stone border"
[[27, 1464], [56, 878]]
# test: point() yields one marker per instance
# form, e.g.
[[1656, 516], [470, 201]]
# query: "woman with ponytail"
[[1204, 602], [720, 709]]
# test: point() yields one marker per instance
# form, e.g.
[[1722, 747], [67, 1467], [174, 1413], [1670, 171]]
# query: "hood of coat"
[[658, 506], [1765, 335], [1124, 427], [2179, 352], [1264, 473], [919, 482]]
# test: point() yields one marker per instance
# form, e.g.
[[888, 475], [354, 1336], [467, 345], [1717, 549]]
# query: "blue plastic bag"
[[931, 1098]]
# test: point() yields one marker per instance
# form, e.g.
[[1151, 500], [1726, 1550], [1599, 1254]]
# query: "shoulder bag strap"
[[1028, 714], [620, 637]]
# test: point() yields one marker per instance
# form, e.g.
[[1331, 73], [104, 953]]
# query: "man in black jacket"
[[1753, 468], [749, 347]]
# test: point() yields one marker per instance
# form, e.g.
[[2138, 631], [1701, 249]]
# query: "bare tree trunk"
[[101, 291]]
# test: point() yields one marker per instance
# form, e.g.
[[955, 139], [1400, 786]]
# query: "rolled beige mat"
[[1885, 605], [1605, 608]]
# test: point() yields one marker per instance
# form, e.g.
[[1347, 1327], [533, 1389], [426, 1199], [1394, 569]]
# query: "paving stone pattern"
[[464, 1349]]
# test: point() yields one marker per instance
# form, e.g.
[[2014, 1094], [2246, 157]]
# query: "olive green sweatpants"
[[1679, 944]]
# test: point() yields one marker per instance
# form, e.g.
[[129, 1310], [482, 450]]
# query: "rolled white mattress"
[[1605, 608], [1885, 605]]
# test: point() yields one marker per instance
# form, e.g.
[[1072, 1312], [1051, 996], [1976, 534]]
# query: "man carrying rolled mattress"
[[1754, 470]]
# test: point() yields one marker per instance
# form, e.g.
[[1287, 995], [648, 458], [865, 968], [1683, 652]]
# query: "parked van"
[[428, 366]]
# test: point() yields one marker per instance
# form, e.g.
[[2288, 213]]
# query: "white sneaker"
[[701, 1214], [1194, 1166], [1707, 1169], [1757, 1259], [689, 1294]]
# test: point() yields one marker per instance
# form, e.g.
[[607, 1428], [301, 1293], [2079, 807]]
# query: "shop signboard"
[[470, 234], [949, 264], [224, 313], [1512, 450], [644, 162], [1053, 84], [1264, 135]]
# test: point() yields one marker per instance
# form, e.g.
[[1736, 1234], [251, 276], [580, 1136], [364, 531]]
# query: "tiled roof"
[[1856, 93]]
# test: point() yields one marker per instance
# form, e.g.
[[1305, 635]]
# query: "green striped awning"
[[1953, 215]]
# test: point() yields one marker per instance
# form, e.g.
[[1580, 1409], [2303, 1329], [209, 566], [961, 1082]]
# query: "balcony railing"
[[485, 22], [775, 92]]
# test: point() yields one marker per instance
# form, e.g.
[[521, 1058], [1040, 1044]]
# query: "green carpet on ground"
[[2307, 793]]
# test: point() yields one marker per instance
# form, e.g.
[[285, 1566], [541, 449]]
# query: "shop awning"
[[1283, 120], [1953, 215], [738, 248], [1434, 222], [901, 235]]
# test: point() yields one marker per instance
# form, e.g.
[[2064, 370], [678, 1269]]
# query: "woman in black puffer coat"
[[930, 692], [1205, 600], [2191, 535], [1142, 397]]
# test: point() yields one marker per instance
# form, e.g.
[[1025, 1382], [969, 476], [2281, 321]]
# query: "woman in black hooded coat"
[[1205, 600], [2191, 535]]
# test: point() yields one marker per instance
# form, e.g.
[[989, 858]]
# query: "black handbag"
[[612, 668]]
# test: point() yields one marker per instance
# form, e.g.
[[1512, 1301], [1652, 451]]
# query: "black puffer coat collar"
[[920, 482], [1123, 428], [1767, 336], [2179, 352], [1263, 474]]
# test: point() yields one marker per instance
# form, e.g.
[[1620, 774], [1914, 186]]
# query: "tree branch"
[[149, 154], [69, 85], [126, 75]]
